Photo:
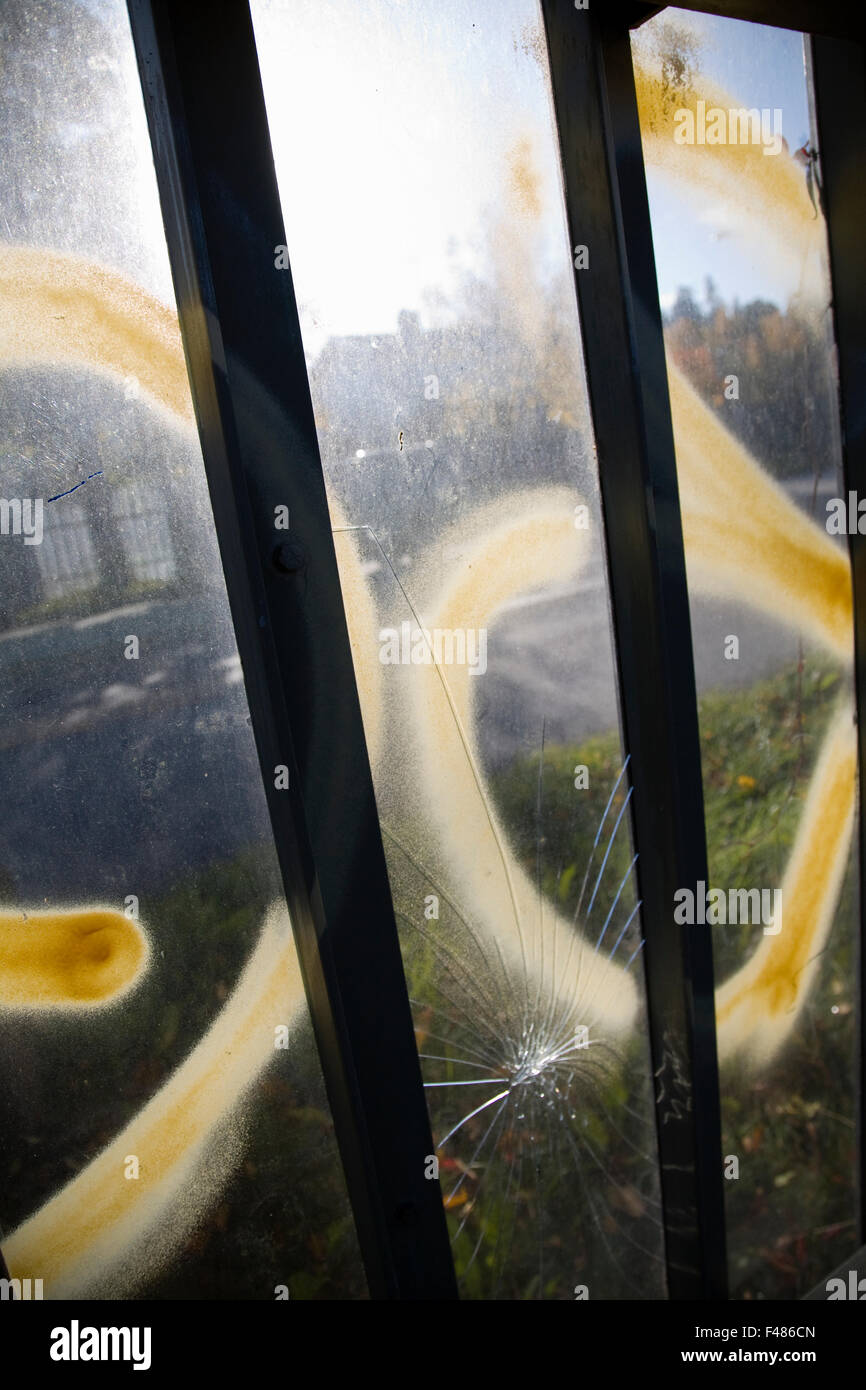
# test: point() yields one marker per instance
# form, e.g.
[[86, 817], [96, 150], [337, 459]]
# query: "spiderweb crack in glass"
[[100, 1232]]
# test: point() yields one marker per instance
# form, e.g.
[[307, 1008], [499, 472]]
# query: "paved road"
[[553, 661], [117, 777]]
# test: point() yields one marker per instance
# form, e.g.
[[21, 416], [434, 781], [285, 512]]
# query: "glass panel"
[[430, 255], [742, 265], [164, 1131]]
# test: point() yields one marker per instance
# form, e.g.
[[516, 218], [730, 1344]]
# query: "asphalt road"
[[119, 776], [551, 662]]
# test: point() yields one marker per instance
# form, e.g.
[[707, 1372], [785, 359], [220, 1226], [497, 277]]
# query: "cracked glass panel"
[[431, 262], [741, 254]]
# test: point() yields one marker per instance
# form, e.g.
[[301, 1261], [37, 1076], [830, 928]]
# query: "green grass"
[[790, 1212]]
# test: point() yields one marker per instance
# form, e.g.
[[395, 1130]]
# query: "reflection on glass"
[[163, 1125], [448, 386], [742, 264]]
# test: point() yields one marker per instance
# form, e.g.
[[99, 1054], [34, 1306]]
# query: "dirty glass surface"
[[431, 262], [740, 247], [164, 1131]]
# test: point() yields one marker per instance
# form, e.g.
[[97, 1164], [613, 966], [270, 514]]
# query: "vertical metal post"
[[242, 338], [838, 82], [607, 211]]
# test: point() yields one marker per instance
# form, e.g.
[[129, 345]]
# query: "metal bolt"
[[289, 557]]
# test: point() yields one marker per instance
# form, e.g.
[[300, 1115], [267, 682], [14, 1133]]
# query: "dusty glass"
[[741, 253], [418, 166], [164, 1131]]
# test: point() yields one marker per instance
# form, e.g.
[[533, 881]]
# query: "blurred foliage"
[[783, 413], [284, 1216], [792, 1124]]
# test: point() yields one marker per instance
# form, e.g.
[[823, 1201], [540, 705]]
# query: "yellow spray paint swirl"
[[103, 1232], [744, 538], [61, 310], [66, 960]]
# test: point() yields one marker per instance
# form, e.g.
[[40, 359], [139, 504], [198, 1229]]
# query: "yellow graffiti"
[[88, 1240], [756, 191], [526, 541], [760, 1003], [745, 539], [61, 310], [65, 960]]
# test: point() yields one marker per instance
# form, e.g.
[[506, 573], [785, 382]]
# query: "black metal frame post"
[[607, 210], [242, 338], [838, 74]]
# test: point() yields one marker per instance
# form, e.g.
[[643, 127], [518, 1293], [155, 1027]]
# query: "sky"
[[761, 67], [393, 122], [395, 125]]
